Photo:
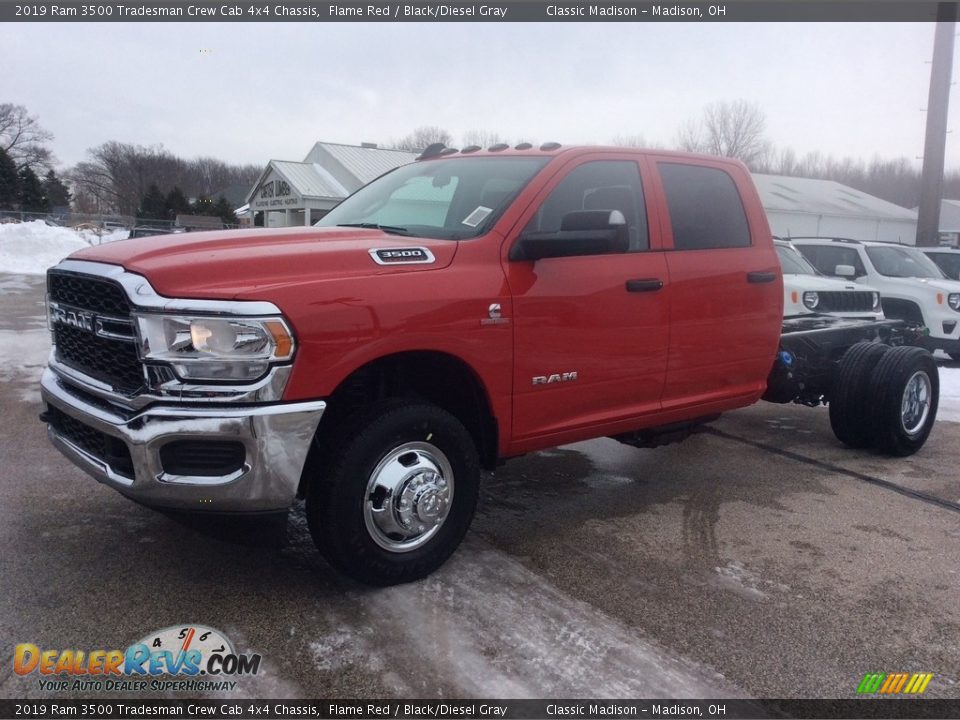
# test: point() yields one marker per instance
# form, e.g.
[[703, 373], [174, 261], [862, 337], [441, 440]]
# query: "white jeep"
[[911, 286], [806, 291]]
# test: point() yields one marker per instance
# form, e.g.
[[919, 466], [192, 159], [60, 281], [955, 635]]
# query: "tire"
[[399, 462], [902, 428], [851, 423]]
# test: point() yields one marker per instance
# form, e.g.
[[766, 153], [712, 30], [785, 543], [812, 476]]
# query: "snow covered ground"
[[30, 248]]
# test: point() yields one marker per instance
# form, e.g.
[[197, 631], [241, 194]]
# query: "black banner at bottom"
[[481, 709]]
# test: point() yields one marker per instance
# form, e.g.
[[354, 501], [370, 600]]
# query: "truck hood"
[[816, 283], [943, 285], [229, 264]]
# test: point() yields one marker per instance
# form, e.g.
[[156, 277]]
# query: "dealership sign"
[[275, 193]]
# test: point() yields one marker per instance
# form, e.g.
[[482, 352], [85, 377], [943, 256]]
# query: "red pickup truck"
[[458, 311]]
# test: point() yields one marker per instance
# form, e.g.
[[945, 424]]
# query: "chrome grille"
[[106, 350]]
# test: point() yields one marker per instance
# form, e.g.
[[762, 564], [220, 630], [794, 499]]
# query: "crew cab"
[[807, 291], [911, 286], [456, 312]]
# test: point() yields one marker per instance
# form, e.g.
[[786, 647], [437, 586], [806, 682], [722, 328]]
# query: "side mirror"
[[847, 271], [585, 232]]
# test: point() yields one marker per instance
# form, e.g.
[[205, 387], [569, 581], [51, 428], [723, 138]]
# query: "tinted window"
[[948, 262], [793, 263], [825, 258], [601, 185], [705, 208], [902, 262]]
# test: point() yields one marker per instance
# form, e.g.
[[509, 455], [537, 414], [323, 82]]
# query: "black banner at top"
[[507, 11]]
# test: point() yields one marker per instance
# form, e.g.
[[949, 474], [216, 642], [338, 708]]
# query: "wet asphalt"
[[759, 558]]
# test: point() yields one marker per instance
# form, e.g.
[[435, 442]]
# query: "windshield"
[[448, 199], [793, 263], [903, 262]]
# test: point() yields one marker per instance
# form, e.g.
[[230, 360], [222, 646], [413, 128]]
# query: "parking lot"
[[759, 558]]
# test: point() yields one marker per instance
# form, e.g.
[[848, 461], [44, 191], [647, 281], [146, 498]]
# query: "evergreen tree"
[[9, 182], [177, 204], [57, 193], [31, 195], [153, 206], [221, 208]]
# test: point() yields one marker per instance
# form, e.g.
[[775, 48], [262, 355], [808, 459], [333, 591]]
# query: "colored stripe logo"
[[894, 683]]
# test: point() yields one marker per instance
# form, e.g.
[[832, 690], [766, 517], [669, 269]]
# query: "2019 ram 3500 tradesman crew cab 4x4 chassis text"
[[460, 310]]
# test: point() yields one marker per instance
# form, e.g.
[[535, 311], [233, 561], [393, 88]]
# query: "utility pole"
[[934, 148]]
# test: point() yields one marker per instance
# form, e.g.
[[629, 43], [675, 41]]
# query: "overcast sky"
[[250, 92]]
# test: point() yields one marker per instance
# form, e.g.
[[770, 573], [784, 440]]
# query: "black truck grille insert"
[[854, 301], [88, 293], [110, 360], [207, 458], [104, 447]]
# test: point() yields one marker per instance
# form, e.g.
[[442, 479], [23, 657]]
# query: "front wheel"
[[396, 495]]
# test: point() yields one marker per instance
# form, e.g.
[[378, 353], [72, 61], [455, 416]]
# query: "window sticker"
[[477, 216]]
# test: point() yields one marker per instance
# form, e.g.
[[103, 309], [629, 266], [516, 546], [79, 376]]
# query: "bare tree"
[[635, 140], [729, 129], [23, 139], [481, 138], [423, 137], [116, 176]]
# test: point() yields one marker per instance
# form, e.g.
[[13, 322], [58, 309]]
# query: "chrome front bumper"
[[276, 438]]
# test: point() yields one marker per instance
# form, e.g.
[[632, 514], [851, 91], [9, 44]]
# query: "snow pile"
[[30, 248], [949, 394]]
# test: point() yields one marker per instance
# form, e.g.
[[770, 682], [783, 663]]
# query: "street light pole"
[[934, 148]]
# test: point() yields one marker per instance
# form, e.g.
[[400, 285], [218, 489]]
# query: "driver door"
[[592, 331]]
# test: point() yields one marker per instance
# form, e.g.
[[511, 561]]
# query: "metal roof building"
[[799, 207], [299, 193]]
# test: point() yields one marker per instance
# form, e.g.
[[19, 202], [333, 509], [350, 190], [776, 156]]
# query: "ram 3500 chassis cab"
[[460, 310]]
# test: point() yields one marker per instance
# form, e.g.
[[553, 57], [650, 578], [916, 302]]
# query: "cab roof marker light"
[[523, 146], [470, 149], [498, 147], [550, 146]]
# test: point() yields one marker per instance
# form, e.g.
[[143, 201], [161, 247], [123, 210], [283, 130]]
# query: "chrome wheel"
[[409, 494], [915, 404]]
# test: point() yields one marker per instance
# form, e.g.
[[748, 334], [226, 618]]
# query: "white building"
[[300, 193], [798, 207]]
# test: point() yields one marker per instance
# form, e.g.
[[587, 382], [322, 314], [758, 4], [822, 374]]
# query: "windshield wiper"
[[390, 229]]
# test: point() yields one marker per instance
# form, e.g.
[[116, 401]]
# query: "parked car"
[[807, 291], [946, 258], [911, 286], [149, 231]]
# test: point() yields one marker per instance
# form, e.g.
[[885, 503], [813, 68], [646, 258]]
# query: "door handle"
[[644, 285], [761, 277]]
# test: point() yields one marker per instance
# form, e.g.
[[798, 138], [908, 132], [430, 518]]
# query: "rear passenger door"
[[726, 287]]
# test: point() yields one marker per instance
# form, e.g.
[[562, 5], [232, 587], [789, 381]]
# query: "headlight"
[[876, 300], [215, 348], [953, 300], [811, 300]]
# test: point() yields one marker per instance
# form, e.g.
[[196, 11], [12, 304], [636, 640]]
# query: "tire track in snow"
[[485, 625]]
